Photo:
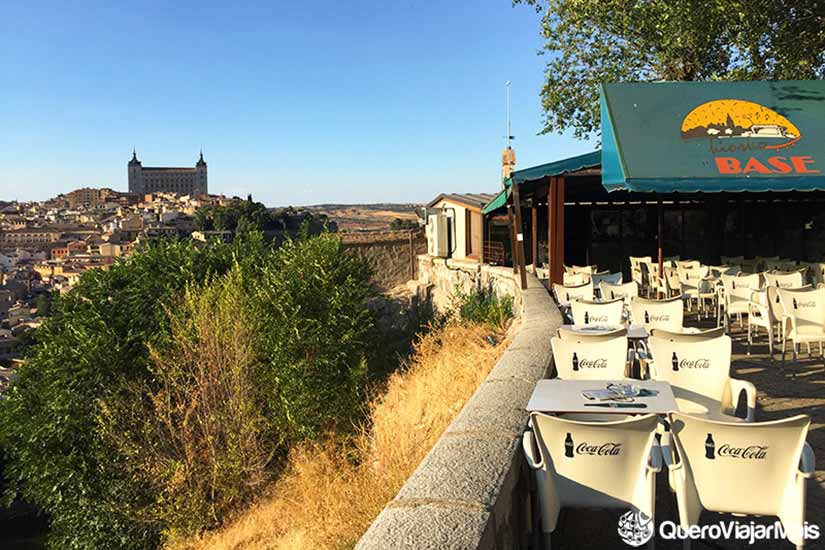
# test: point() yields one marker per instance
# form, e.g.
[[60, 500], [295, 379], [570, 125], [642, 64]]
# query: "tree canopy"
[[627, 41]]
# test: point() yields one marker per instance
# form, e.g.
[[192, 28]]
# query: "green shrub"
[[483, 305], [194, 432], [311, 299], [307, 302]]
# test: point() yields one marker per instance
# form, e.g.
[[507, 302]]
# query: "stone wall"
[[391, 254], [471, 491], [443, 276]]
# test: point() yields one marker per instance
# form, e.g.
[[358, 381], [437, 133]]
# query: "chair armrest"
[[807, 465], [654, 463], [528, 443], [736, 388], [789, 317]]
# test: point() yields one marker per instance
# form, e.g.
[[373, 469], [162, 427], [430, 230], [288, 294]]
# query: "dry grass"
[[328, 496]]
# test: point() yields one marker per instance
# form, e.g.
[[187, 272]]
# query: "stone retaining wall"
[[390, 254], [471, 491]]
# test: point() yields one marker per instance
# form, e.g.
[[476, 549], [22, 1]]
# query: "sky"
[[294, 102]]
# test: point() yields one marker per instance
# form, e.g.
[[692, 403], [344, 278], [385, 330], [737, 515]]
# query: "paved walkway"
[[798, 389]]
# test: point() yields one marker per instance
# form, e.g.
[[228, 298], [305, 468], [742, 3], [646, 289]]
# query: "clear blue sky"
[[294, 102]]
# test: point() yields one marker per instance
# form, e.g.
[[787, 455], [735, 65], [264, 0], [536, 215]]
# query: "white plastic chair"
[[666, 314], [575, 279], [790, 279], [578, 357], [636, 268], [589, 312], [736, 295], [604, 465], [803, 318], [745, 469], [699, 373], [816, 272], [611, 291], [564, 294], [606, 277], [586, 269], [761, 315]]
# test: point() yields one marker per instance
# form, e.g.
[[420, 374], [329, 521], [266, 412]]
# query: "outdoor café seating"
[[603, 465], [564, 293], [611, 291], [745, 469], [578, 357], [601, 313], [605, 277], [667, 314], [803, 318], [575, 279], [699, 373], [735, 295], [785, 279]]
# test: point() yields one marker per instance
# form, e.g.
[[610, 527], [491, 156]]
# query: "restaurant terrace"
[[668, 366]]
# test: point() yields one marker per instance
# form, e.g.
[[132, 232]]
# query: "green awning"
[[497, 202], [713, 136], [557, 168]]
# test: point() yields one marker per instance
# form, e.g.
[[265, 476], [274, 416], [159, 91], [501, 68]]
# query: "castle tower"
[[135, 169], [200, 176]]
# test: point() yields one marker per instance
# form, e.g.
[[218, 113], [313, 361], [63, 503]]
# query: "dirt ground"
[[799, 388]]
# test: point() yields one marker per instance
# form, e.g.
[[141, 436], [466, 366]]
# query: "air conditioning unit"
[[438, 235]]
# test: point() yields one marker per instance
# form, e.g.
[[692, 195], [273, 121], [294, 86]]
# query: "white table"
[[565, 396], [634, 332]]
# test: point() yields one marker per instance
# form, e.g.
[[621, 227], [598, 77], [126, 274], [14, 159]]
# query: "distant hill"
[[367, 217]]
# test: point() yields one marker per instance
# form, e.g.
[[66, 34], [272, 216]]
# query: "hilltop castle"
[[184, 181]]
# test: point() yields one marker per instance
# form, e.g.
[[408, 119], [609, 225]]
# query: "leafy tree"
[[92, 347], [623, 40], [85, 432]]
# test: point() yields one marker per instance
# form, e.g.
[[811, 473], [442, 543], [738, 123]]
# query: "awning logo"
[[739, 123], [737, 127]]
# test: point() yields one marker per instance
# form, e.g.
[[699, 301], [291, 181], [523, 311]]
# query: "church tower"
[[135, 174], [200, 177]]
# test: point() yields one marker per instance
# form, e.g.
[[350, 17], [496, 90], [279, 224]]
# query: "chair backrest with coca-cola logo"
[[589, 312], [806, 306], [746, 468], [566, 293], [595, 464], [577, 357], [665, 314], [698, 372], [793, 279], [611, 291]]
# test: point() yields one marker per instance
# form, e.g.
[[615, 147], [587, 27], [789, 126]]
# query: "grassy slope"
[[328, 497]]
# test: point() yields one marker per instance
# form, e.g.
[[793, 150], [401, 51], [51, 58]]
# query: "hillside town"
[[46, 246]]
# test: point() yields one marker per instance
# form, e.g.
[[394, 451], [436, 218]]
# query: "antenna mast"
[[507, 94]]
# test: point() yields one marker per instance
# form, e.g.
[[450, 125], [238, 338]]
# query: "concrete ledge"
[[470, 491]]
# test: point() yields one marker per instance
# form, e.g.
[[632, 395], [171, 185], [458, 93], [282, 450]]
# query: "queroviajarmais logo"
[[739, 126], [636, 528]]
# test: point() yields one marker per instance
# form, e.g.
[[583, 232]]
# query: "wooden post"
[[512, 223], [551, 245], [483, 237], [555, 229], [661, 240], [558, 230], [519, 237], [534, 245]]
